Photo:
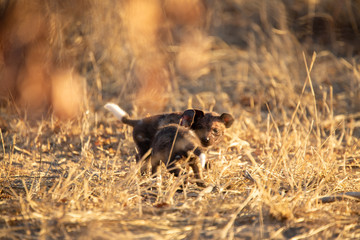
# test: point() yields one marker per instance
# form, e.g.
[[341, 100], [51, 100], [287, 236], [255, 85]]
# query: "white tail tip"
[[116, 110], [202, 160]]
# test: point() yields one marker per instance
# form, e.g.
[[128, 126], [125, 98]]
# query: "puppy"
[[145, 129], [208, 127], [177, 144]]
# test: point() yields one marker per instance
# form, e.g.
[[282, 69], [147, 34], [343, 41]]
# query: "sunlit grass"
[[294, 141]]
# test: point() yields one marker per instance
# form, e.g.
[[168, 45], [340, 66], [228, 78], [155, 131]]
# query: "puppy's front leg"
[[197, 168]]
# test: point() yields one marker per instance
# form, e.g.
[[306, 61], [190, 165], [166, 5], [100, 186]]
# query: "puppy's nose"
[[206, 139]]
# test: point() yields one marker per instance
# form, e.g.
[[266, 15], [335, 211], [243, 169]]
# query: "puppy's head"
[[210, 127]]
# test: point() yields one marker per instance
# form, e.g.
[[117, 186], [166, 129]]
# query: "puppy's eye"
[[215, 131]]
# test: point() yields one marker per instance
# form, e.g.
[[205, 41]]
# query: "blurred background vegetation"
[[150, 56]]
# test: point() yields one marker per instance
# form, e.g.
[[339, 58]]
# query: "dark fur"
[[175, 144], [145, 129], [208, 127]]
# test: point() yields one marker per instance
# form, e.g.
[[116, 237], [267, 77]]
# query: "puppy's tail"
[[116, 110], [121, 114]]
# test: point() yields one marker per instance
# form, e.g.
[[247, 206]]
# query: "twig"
[[340, 197]]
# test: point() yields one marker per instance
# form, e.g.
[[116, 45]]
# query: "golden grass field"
[[288, 71]]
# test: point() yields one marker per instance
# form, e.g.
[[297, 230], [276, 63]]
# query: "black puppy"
[[208, 127], [175, 144], [146, 128]]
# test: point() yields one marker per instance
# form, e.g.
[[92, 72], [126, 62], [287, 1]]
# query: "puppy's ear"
[[198, 114], [190, 116], [227, 119], [187, 118]]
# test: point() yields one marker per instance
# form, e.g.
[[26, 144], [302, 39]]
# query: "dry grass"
[[294, 141]]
